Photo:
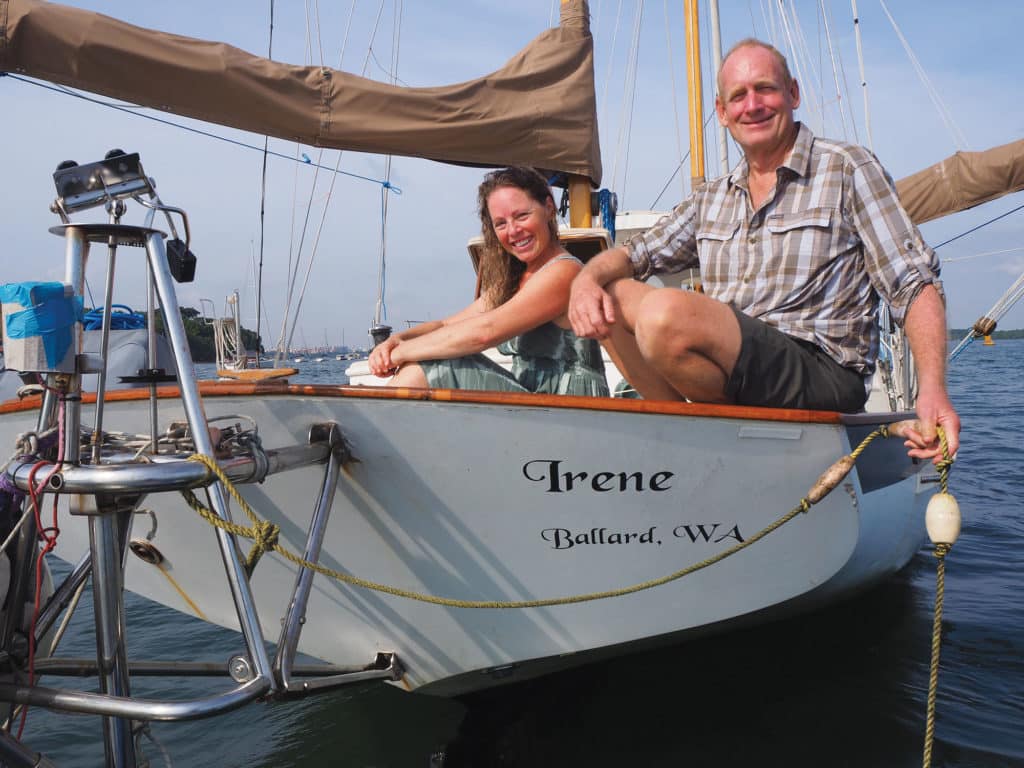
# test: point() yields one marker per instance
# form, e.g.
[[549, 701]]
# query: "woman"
[[524, 277]]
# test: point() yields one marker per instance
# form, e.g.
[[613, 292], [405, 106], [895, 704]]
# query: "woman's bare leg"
[[409, 375]]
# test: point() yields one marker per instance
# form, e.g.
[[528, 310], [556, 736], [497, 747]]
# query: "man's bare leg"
[[622, 346], [690, 340]]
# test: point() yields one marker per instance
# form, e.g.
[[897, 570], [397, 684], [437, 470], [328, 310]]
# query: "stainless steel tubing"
[[14, 754], [75, 667], [27, 541], [154, 417], [296, 616], [328, 682], [63, 595], [193, 404], [168, 473], [111, 654], [133, 708], [101, 379]]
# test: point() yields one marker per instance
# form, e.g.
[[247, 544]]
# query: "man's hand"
[[934, 408], [380, 358], [926, 329], [590, 308]]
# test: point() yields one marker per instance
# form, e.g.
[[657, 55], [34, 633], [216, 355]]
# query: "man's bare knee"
[[628, 294], [664, 322]]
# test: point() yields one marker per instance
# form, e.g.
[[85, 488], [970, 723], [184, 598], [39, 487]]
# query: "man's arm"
[[590, 307], [898, 261], [925, 327]]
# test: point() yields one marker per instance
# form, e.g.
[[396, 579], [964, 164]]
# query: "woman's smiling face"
[[520, 222]]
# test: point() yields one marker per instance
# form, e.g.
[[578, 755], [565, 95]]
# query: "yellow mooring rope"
[[943, 522]]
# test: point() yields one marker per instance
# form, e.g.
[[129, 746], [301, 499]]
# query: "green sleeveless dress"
[[548, 359]]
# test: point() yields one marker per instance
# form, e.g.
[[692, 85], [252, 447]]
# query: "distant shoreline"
[[959, 333]]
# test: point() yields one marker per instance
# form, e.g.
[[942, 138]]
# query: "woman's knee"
[[409, 375]]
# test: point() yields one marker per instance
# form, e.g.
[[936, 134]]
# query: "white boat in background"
[[461, 530]]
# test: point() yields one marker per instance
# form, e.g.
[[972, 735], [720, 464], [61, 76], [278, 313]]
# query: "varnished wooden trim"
[[257, 374], [512, 399]]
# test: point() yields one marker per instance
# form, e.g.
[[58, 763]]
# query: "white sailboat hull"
[[489, 498]]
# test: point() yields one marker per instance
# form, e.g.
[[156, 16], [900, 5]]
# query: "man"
[[794, 248]]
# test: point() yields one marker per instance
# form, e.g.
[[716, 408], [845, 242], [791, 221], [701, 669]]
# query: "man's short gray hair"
[[753, 42]]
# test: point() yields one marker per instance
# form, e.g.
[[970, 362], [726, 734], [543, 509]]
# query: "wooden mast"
[[696, 96], [578, 186]]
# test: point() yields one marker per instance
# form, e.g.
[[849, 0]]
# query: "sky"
[[967, 50]]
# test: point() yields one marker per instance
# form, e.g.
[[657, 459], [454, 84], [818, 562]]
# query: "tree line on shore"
[[958, 333], [201, 339]]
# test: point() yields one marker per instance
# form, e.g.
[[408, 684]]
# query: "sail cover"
[[963, 181], [538, 110]]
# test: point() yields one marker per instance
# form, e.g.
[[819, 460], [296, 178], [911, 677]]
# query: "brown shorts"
[[779, 371]]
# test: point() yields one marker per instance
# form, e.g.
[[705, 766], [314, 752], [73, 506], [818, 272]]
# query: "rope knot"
[[264, 539], [805, 506]]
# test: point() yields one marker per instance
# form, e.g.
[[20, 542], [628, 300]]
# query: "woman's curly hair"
[[500, 271]]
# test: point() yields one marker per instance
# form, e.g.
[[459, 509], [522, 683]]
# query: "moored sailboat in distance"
[[454, 533]]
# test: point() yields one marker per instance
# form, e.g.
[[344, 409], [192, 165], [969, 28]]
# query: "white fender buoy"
[[942, 519]]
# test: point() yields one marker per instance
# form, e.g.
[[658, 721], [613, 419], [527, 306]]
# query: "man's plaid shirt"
[[813, 259]]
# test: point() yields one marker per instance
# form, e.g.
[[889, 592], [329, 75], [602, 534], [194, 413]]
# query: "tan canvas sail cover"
[[538, 110], [963, 181]]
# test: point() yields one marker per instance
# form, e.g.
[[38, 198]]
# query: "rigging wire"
[[975, 229], [608, 70], [770, 25], [319, 32], [291, 272], [654, 205], [843, 89], [953, 259], [282, 346], [796, 43], [380, 308], [628, 100], [284, 339], [311, 35], [263, 208], [863, 76], [344, 39], [170, 123], [633, 99], [298, 258], [386, 185], [800, 58], [675, 107], [836, 65], [944, 114], [753, 19], [716, 68]]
